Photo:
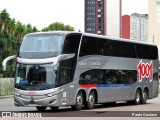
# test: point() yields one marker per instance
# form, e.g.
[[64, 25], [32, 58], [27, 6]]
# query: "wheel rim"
[[144, 97], [138, 98], [91, 99], [79, 100]]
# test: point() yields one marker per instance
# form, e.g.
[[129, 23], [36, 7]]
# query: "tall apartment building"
[[144, 27], [135, 26], [154, 22], [103, 17], [139, 27]]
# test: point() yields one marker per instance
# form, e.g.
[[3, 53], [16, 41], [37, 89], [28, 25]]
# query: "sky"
[[41, 13]]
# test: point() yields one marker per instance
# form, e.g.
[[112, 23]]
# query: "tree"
[[11, 34], [4, 18], [29, 28], [58, 26], [35, 29], [69, 28]]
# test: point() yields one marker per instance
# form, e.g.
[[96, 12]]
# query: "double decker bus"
[[76, 69]]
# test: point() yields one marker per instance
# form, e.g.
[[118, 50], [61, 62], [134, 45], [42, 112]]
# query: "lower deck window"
[[108, 77]]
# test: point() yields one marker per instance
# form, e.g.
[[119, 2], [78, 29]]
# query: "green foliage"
[[58, 26], [1, 75], [11, 34], [6, 86]]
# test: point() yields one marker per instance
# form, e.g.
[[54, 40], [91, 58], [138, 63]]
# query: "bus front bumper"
[[31, 101]]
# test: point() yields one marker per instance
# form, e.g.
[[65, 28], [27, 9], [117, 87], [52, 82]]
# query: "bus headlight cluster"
[[54, 93]]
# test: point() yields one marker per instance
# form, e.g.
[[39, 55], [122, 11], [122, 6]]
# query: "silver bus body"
[[100, 77]]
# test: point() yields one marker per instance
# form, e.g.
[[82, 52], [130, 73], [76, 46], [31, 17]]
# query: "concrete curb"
[[1, 97]]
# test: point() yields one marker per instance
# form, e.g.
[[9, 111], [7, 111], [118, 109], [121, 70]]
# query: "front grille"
[[36, 97]]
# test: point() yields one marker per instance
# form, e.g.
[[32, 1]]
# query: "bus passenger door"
[[64, 83]]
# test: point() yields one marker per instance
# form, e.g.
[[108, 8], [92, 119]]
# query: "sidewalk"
[[1, 97]]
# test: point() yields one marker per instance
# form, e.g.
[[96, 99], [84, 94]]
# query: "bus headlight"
[[54, 93], [49, 95]]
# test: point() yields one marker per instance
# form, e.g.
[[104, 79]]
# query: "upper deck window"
[[42, 43]]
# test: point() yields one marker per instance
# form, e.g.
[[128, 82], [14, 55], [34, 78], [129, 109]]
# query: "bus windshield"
[[46, 45], [35, 77], [38, 43], [41, 43]]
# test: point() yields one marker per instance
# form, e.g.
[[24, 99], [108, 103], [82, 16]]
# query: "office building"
[[103, 17], [139, 27]]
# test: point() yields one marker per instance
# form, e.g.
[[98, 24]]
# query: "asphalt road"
[[120, 109]]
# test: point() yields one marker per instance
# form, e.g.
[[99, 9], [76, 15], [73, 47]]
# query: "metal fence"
[[6, 86]]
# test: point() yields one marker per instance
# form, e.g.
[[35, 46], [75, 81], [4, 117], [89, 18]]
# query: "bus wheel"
[[79, 102], [144, 97], [41, 108], [91, 101], [54, 108], [137, 97]]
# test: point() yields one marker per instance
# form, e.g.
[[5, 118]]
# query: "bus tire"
[[91, 100], [54, 108], [144, 97], [137, 97], [79, 102], [41, 108]]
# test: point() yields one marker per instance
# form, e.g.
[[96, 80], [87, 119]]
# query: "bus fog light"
[[17, 94], [52, 101]]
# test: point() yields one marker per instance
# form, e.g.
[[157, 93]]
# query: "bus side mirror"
[[61, 57], [4, 63]]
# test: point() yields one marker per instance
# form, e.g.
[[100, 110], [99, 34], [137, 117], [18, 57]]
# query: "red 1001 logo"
[[145, 70]]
